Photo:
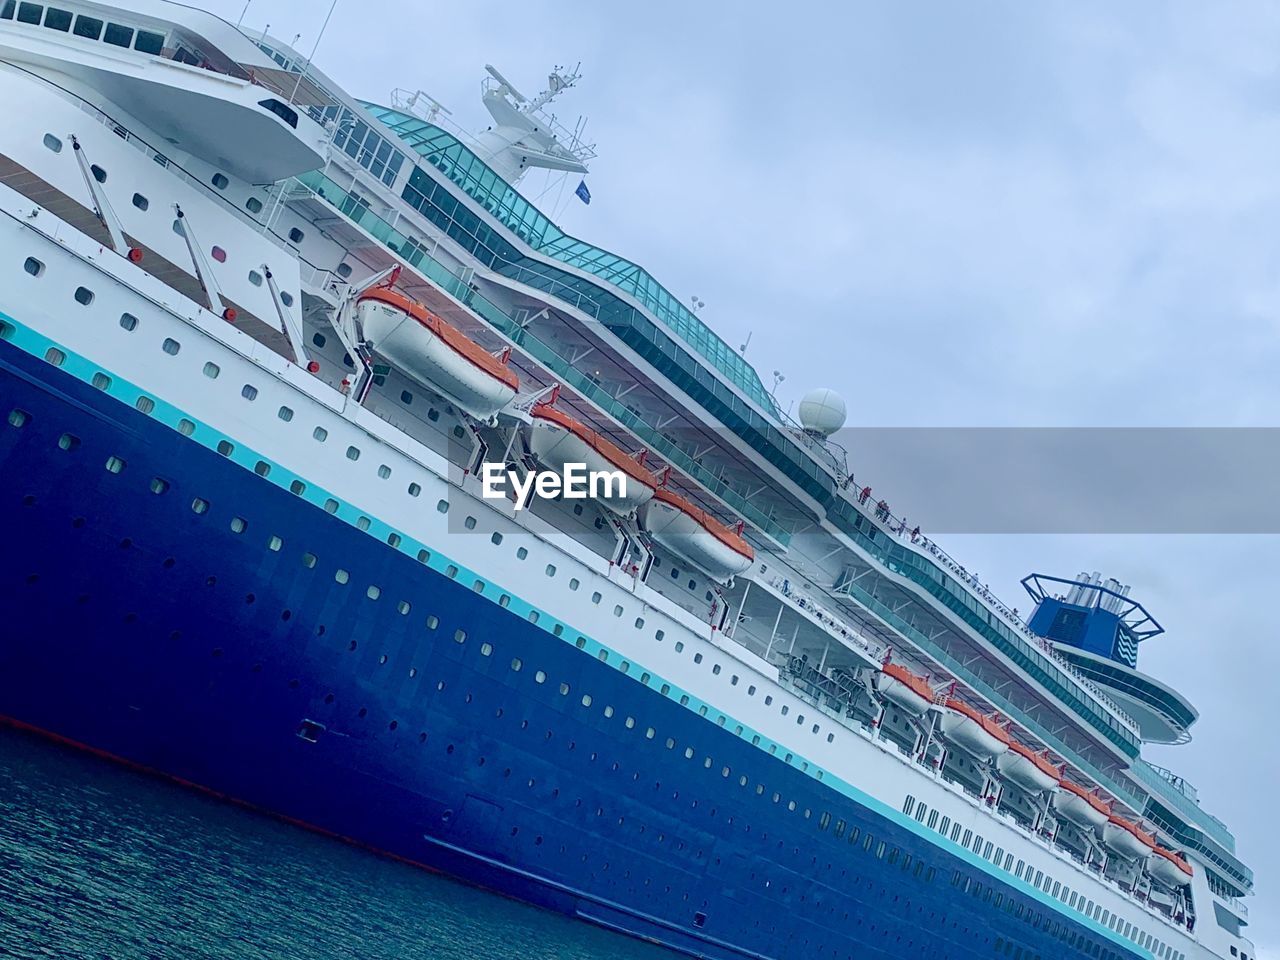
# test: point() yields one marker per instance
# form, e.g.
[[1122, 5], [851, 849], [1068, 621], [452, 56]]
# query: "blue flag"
[[583, 193]]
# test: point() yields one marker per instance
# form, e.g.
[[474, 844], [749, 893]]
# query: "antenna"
[[515, 94], [697, 303]]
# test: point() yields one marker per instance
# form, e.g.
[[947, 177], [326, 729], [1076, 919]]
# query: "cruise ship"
[[260, 344]]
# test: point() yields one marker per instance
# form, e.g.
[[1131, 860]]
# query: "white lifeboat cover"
[[435, 353], [696, 536]]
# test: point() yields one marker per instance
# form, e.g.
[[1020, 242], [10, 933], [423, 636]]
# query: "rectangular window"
[[148, 42], [56, 19], [89, 27], [29, 13], [6, 9], [118, 35]]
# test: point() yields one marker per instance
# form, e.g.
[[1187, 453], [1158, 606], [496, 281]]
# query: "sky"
[[956, 215]]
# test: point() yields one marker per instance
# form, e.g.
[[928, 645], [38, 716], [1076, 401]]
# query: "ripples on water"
[[99, 862]]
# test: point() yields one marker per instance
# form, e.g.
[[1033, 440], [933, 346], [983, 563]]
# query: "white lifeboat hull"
[[1123, 843], [1078, 810], [1166, 871], [554, 447], [893, 689], [409, 346], [1025, 773], [680, 533], [969, 735]]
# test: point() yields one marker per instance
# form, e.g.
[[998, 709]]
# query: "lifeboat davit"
[[1168, 867], [557, 439], [1127, 839], [967, 728], [695, 535], [435, 353], [1074, 803], [1030, 770], [909, 691]]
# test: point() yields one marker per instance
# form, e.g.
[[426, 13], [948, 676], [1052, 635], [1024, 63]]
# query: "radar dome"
[[822, 411]]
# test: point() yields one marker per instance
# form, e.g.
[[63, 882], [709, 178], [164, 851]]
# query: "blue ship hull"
[[142, 629]]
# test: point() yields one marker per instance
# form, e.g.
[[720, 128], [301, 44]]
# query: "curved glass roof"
[[447, 153]]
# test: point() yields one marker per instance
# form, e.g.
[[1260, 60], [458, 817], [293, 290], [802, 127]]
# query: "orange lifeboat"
[[909, 691], [1127, 839], [435, 353], [977, 734], [1083, 808], [557, 439], [692, 533], [1168, 867], [1030, 770]]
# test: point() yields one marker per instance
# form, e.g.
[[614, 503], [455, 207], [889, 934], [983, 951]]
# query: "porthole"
[[226, 447], [486, 649], [320, 434], [341, 576], [373, 592], [286, 298], [84, 296], [253, 205], [495, 538], [295, 235], [68, 441], [211, 370], [540, 676], [159, 485], [128, 321], [393, 539], [274, 544], [100, 381], [33, 266], [344, 270], [517, 664], [309, 560], [432, 622], [285, 414], [220, 181], [596, 597], [353, 453], [218, 254], [384, 471], [199, 505], [470, 523], [363, 523], [171, 346], [140, 201], [297, 488], [98, 173], [414, 490], [442, 506], [249, 392], [238, 524], [145, 404], [403, 608], [406, 397], [186, 427], [52, 143], [114, 464]]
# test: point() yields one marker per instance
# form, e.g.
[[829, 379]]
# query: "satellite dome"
[[822, 411]]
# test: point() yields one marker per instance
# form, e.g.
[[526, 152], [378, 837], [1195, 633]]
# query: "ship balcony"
[[1163, 715], [246, 129]]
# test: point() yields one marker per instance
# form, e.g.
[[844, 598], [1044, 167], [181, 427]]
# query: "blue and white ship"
[[257, 338]]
